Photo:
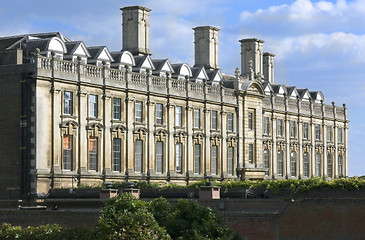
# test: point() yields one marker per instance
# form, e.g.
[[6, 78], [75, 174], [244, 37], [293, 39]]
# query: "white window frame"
[[159, 157], [117, 154], [266, 125], [293, 163], [93, 153], [279, 127], [266, 160], [230, 158], [230, 122], [305, 130], [250, 153], [197, 157], [138, 111], [214, 157], [117, 102], [306, 164], [67, 152], [159, 113], [138, 156], [178, 156], [93, 105], [280, 162], [318, 164], [178, 116], [214, 120], [67, 103], [196, 118], [292, 129]]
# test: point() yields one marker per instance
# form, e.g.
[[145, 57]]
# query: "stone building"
[[74, 114]]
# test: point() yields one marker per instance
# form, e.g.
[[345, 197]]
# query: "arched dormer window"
[[182, 71]]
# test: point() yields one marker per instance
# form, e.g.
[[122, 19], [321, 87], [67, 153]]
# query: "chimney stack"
[[136, 30], [251, 58], [269, 67], [206, 47]]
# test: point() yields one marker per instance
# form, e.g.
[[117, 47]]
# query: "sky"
[[319, 45]]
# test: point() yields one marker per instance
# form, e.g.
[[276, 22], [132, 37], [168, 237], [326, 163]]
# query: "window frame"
[[117, 113], [159, 113], [178, 157], [306, 164], [214, 120], [117, 154], [196, 118], [305, 130], [266, 126], [159, 157], [250, 153], [197, 158], [230, 159], [292, 127], [93, 106], [178, 116], [68, 103], [214, 158], [330, 165], [266, 156], [318, 164], [93, 153], [279, 127], [230, 122], [250, 121], [138, 111], [318, 131], [280, 162], [138, 156], [67, 158]]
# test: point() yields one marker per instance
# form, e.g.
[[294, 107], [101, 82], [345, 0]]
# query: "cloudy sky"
[[319, 45]]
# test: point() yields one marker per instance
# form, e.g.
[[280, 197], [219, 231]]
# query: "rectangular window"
[[116, 108], [196, 158], [214, 166], [230, 160], [279, 125], [280, 162], [214, 120], [266, 161], [306, 164], [196, 118], [250, 153], [329, 165], [305, 130], [93, 106], [292, 129], [93, 153], [178, 157], [340, 165], [318, 164], [138, 111], [293, 164], [340, 135], [178, 116], [116, 154], [266, 125], [138, 156], [67, 152], [159, 113], [318, 132], [159, 157], [67, 102], [329, 133], [250, 118], [230, 122]]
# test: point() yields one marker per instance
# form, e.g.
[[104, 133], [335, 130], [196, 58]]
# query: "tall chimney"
[[206, 47], [136, 29], [269, 67], [251, 58]]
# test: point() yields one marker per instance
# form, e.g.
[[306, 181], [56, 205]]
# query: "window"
[[116, 108], [266, 161], [67, 102], [318, 164], [266, 125], [116, 154], [250, 153], [178, 116], [93, 106], [230, 160], [306, 164], [214, 166], [340, 135], [250, 119], [197, 158], [280, 163], [293, 163], [329, 133], [178, 156], [340, 165], [318, 132], [329, 165], [159, 157], [196, 118], [305, 130], [138, 156], [279, 124], [214, 120], [230, 122], [292, 129], [159, 113], [93, 153], [138, 111], [67, 152]]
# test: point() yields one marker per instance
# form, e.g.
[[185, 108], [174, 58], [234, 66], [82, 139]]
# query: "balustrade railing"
[[65, 66], [196, 87], [92, 71], [178, 84], [116, 75], [44, 63], [216, 90], [138, 78], [158, 81]]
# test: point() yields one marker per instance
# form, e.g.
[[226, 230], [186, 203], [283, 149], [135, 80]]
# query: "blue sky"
[[319, 45]]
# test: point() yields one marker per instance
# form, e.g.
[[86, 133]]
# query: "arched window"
[[318, 164], [266, 161], [293, 163], [329, 165], [306, 164], [280, 163]]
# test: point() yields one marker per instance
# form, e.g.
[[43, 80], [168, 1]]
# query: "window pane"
[[178, 157], [293, 163], [250, 121], [292, 129], [318, 132], [305, 130], [340, 135], [279, 127], [230, 122], [197, 158], [138, 111], [230, 160], [250, 153], [306, 164], [93, 153], [340, 165], [67, 152], [178, 116], [67, 103], [329, 133], [138, 156], [159, 156], [266, 125], [159, 113], [318, 164], [116, 108], [214, 120], [214, 160], [93, 106], [196, 118], [329, 165], [280, 163], [116, 154], [266, 161]]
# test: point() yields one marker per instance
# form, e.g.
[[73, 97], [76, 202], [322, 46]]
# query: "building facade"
[[82, 115]]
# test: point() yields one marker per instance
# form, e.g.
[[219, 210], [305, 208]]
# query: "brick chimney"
[[206, 47], [269, 67], [251, 58], [136, 30]]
